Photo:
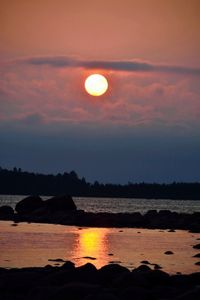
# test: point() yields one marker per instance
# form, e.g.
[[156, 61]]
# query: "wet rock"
[[57, 260], [156, 267], [143, 268], [89, 257], [29, 204], [196, 246], [197, 255], [145, 262], [168, 253], [60, 203]]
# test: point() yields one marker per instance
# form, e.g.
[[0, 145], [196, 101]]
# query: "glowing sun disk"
[[96, 84]]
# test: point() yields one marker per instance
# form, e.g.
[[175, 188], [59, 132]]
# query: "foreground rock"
[[111, 282], [6, 212], [62, 210]]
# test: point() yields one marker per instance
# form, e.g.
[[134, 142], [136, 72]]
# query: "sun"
[[96, 84]]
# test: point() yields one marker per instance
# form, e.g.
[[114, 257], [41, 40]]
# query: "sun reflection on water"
[[92, 246]]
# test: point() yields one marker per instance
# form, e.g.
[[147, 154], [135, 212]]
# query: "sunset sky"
[[146, 127]]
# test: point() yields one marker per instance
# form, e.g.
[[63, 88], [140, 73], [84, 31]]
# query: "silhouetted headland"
[[62, 210], [18, 182], [110, 282]]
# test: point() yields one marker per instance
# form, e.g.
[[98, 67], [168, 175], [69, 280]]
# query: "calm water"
[[34, 244], [116, 205]]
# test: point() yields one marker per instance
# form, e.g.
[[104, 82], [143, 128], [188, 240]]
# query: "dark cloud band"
[[127, 66]]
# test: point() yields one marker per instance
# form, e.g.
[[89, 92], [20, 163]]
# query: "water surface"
[[119, 205], [34, 244]]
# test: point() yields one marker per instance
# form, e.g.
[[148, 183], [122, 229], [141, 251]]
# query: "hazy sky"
[[145, 128]]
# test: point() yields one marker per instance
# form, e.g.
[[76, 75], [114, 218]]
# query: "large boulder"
[[29, 204], [60, 203], [6, 211]]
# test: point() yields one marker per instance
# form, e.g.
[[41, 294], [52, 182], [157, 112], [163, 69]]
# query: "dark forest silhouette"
[[18, 182]]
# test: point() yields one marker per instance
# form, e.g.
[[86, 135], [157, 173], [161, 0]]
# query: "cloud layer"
[[127, 66], [50, 90]]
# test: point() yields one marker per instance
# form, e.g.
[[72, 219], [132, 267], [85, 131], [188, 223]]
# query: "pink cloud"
[[58, 95]]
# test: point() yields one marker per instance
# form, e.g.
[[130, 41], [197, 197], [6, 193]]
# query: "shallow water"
[[33, 244], [119, 205]]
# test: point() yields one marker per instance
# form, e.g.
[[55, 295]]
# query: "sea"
[[34, 244], [119, 205]]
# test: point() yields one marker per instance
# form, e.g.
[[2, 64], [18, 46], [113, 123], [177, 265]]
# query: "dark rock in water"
[[6, 210], [156, 267], [197, 255], [57, 260], [29, 204], [60, 203], [89, 257], [196, 246], [169, 253], [145, 262]]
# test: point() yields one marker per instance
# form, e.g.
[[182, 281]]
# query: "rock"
[[151, 213], [60, 260], [168, 253], [156, 267], [60, 203], [6, 210], [193, 294], [87, 273], [136, 293], [197, 255], [196, 246], [142, 268], [68, 265], [110, 272], [157, 277], [145, 262], [29, 204], [89, 257], [76, 291]]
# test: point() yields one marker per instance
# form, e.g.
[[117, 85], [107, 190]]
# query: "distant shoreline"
[[18, 182]]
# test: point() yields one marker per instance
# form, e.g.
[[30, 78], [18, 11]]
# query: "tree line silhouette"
[[18, 182]]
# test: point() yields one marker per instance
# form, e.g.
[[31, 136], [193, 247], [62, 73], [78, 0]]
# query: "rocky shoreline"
[[111, 282], [62, 210]]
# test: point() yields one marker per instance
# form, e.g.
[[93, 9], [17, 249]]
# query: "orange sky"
[[148, 122], [155, 30]]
